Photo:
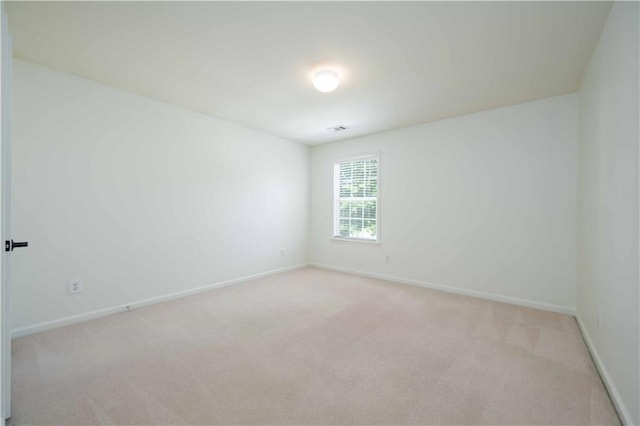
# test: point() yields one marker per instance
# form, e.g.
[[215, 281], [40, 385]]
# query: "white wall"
[[141, 199], [484, 202], [608, 205]]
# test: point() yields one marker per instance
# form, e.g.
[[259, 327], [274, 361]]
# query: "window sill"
[[355, 240]]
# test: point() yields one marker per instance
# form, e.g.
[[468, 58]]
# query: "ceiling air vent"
[[337, 128]]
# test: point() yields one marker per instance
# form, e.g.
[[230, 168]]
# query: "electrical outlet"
[[387, 259], [74, 286], [282, 252]]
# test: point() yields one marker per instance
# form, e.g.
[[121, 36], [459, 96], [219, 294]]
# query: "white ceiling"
[[250, 63]]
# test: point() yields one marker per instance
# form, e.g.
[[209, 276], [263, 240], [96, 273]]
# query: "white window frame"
[[336, 200]]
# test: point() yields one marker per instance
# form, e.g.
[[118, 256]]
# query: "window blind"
[[357, 198]]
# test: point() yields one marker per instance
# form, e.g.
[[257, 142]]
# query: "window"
[[356, 198]]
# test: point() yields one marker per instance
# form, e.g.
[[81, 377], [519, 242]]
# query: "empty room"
[[320, 213]]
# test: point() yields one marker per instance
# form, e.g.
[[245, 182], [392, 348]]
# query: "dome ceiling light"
[[326, 81]]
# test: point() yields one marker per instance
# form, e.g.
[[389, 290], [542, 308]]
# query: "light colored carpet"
[[312, 347]]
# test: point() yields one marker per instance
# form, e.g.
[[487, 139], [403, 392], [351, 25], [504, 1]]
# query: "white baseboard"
[[473, 293], [604, 374], [61, 322]]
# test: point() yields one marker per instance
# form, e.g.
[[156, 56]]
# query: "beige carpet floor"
[[312, 347]]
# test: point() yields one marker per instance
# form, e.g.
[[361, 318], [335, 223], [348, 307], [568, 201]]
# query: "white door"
[[5, 219]]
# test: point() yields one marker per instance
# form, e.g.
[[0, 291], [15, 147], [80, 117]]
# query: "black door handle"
[[9, 245]]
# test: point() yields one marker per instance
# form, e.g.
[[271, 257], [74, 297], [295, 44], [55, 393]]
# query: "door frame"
[[5, 215]]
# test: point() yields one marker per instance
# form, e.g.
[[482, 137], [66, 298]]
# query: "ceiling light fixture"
[[326, 81]]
